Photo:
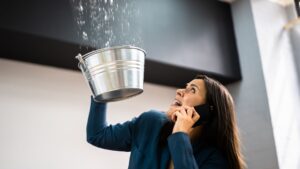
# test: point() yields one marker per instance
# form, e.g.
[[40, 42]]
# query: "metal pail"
[[114, 73]]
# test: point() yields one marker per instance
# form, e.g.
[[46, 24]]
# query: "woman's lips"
[[176, 103]]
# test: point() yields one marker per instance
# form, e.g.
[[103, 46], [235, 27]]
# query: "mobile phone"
[[204, 112]]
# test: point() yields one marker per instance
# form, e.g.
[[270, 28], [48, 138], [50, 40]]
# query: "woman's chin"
[[170, 112]]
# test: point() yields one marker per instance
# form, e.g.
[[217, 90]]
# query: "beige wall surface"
[[43, 118]]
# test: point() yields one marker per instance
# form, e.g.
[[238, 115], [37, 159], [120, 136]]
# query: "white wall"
[[43, 118], [281, 77]]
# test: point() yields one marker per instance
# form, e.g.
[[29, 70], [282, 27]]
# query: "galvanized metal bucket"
[[114, 73]]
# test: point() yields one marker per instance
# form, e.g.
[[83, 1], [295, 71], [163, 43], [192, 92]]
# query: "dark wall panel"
[[196, 34]]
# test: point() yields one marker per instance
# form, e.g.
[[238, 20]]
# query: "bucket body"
[[114, 73]]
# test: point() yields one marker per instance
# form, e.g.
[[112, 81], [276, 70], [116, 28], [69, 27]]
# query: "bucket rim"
[[112, 48]]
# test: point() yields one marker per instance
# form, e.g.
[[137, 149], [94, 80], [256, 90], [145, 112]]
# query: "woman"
[[159, 140]]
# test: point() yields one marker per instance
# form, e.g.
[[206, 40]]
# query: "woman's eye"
[[191, 89]]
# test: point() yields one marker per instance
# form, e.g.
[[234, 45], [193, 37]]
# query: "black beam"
[[51, 52]]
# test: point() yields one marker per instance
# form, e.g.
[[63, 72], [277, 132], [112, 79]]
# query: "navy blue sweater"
[[142, 137]]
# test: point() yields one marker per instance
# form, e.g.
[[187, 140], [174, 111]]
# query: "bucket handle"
[[79, 57]]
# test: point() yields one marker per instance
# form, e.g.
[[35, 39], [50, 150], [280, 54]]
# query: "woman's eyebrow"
[[193, 85]]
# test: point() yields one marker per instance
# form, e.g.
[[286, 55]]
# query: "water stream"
[[107, 23]]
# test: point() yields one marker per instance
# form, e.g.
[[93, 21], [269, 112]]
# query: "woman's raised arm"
[[113, 137]]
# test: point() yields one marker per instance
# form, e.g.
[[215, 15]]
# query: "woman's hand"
[[185, 118]]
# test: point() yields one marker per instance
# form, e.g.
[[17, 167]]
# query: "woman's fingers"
[[176, 114], [189, 110], [174, 117], [196, 116], [185, 111], [182, 111]]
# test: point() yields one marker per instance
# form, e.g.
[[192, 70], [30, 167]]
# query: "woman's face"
[[193, 95]]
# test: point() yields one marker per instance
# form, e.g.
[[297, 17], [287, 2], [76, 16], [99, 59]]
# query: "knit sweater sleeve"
[[181, 151], [100, 134]]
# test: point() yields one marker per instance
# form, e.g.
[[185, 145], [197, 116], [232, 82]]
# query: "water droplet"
[[80, 8], [107, 44], [105, 17], [111, 2], [81, 23], [84, 35], [105, 1]]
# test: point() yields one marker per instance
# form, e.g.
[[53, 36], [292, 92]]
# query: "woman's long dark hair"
[[222, 130]]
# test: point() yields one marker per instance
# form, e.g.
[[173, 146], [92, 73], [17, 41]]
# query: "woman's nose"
[[180, 92]]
